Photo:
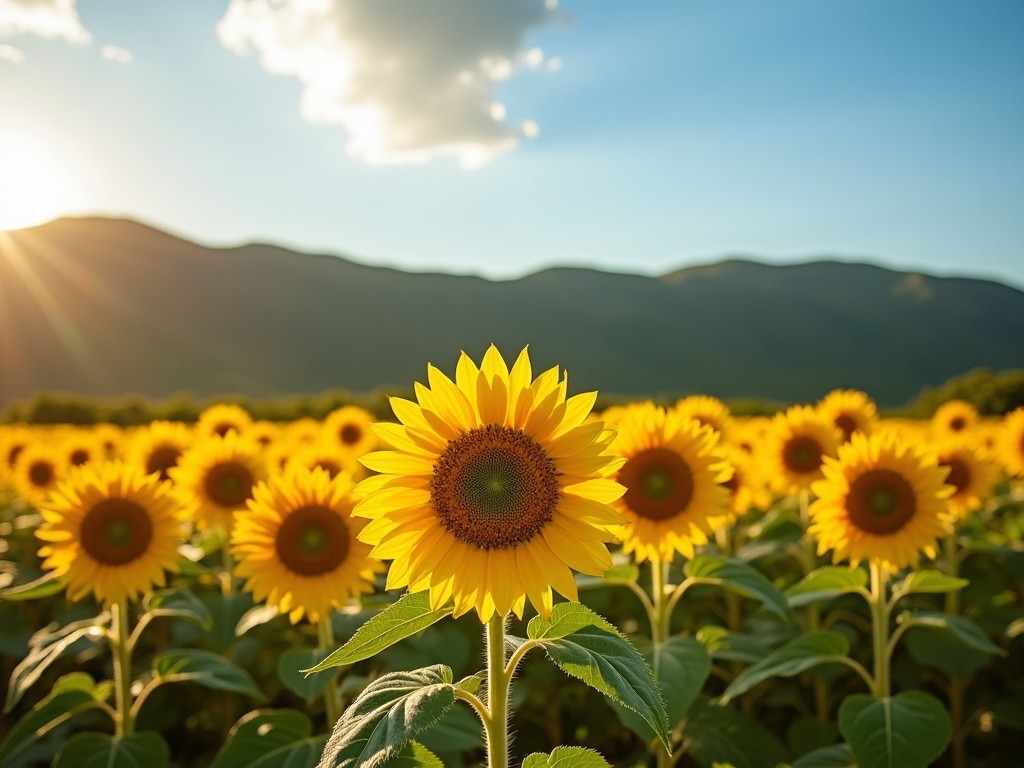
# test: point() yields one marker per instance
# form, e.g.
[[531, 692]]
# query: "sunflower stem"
[[659, 633], [332, 701], [880, 628], [122, 670], [227, 578], [956, 685], [497, 694], [953, 567]]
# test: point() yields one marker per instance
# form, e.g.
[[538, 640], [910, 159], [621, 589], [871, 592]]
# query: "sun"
[[35, 187]]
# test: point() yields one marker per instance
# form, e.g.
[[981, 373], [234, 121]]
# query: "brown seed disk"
[[802, 454], [659, 483], [161, 459], [350, 434], [229, 484], [494, 487], [959, 473], [41, 473], [312, 540], [116, 531], [847, 425], [881, 501]]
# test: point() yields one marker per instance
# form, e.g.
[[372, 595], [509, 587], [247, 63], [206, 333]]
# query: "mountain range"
[[111, 306]]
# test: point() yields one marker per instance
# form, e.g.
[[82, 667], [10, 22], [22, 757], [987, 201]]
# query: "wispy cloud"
[[408, 81], [119, 55], [11, 54], [46, 18]]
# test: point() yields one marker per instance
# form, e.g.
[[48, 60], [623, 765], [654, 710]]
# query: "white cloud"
[[12, 54], [119, 55], [409, 81], [46, 18]]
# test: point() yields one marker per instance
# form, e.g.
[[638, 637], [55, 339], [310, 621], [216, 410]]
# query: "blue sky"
[[671, 133]]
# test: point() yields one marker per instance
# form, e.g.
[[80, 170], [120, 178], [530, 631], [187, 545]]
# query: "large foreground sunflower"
[[881, 500], [850, 410], [496, 488], [297, 547], [1010, 442], [110, 530], [971, 472], [215, 478], [801, 439], [673, 475]]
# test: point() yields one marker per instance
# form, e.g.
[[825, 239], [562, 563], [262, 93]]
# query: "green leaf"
[[724, 735], [627, 573], [407, 616], [928, 582], [939, 649], [206, 669], [837, 756], [460, 729], [387, 715], [737, 577], [567, 757], [289, 669], [415, 755], [255, 617], [724, 645], [826, 583], [226, 611], [963, 629], [97, 750], [681, 667], [45, 586], [798, 655], [45, 648], [909, 730], [271, 738], [70, 695], [177, 603], [587, 647]]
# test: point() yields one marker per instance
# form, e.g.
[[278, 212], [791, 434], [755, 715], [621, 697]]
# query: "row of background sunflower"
[[755, 466]]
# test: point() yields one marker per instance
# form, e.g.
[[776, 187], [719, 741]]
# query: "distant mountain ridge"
[[110, 307]]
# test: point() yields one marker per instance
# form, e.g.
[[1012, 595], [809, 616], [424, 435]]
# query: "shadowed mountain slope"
[[108, 307]]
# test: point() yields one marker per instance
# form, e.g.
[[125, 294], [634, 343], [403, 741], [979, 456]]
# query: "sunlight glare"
[[33, 186]]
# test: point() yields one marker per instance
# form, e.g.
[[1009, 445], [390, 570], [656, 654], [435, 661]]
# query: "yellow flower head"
[[37, 470], [881, 500], [801, 440], [296, 544], [747, 486], [850, 410], [79, 447], [13, 440], [215, 477], [971, 473], [349, 429], [673, 475], [954, 416], [1010, 443], [112, 531], [218, 420], [496, 487], [158, 448], [707, 411]]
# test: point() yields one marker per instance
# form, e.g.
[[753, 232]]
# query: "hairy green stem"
[[497, 694], [661, 619], [880, 628], [332, 700], [122, 669]]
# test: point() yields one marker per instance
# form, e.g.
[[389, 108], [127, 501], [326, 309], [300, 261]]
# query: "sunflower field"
[[502, 576]]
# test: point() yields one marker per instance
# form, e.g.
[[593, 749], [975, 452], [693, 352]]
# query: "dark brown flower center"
[[350, 434], [659, 483], [847, 424], [957, 423], [959, 473], [229, 484], [733, 483], [881, 501], [41, 473], [161, 459], [78, 457], [223, 427], [494, 487], [116, 531], [802, 454], [13, 454], [331, 467], [312, 540]]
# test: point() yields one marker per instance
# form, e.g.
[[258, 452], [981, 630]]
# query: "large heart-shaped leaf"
[[798, 655], [290, 666], [206, 669], [713, 734], [97, 750], [567, 757], [909, 730], [271, 738]]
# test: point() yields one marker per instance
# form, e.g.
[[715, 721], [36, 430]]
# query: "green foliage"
[[826, 583], [46, 585], [97, 750], [566, 757], [909, 730], [927, 582], [798, 655], [271, 738], [387, 715], [713, 734], [738, 577], [963, 629], [176, 603], [290, 666], [993, 394], [584, 645], [408, 615], [204, 668], [838, 756]]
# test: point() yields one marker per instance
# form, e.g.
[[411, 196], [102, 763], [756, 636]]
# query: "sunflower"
[[112, 531], [708, 411], [349, 429], [1010, 444], [674, 477], [496, 488], [801, 439], [13, 440], [264, 433], [748, 488], [304, 431], [80, 447], [37, 470], [954, 416], [216, 476], [218, 420], [111, 440], [327, 456], [971, 473], [159, 447], [850, 410], [296, 545], [881, 500]]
